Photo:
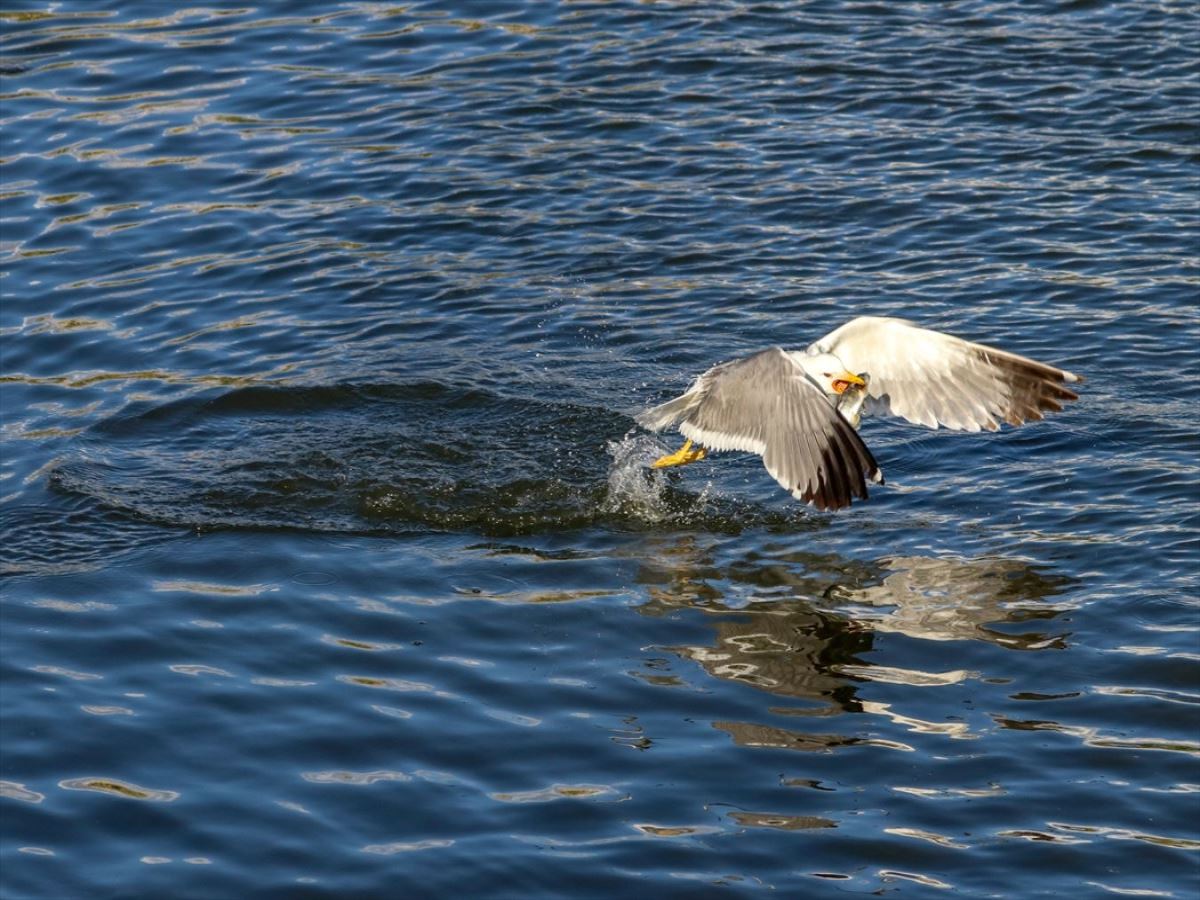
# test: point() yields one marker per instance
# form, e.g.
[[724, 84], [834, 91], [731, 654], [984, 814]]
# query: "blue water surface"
[[332, 563]]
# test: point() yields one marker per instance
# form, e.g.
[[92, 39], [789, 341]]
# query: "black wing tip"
[[830, 495], [1050, 377], [847, 465], [823, 502], [1037, 388]]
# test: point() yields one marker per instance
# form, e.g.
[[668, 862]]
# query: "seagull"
[[799, 410]]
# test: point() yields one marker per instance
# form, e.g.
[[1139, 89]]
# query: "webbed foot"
[[680, 457]]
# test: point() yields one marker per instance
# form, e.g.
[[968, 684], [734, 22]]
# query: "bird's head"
[[831, 373]]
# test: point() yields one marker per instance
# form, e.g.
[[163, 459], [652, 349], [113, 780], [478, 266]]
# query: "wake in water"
[[383, 458], [362, 459]]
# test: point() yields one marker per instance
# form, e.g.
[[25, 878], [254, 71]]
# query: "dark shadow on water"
[[374, 459], [346, 458]]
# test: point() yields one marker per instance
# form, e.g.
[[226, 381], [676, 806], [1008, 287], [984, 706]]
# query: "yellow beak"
[[842, 383]]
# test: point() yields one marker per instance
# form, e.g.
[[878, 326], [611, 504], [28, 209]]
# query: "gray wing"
[[933, 379], [765, 404]]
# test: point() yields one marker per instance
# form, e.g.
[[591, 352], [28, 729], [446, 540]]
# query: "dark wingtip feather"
[[846, 465]]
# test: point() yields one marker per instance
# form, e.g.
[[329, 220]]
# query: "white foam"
[[634, 489]]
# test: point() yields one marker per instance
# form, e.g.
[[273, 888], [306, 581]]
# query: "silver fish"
[[850, 401]]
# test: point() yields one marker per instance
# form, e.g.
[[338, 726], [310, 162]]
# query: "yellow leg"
[[680, 457]]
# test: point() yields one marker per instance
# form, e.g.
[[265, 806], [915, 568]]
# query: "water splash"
[[634, 489]]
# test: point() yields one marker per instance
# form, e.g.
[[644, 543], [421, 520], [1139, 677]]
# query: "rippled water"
[[332, 564]]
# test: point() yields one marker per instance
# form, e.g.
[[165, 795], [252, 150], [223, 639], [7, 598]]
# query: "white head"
[[830, 373]]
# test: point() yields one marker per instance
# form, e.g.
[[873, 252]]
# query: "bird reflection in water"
[[800, 625], [958, 599]]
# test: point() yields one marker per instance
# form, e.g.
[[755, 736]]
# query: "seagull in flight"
[[799, 410]]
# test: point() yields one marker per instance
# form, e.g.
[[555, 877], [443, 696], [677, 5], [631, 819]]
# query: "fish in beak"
[[846, 380]]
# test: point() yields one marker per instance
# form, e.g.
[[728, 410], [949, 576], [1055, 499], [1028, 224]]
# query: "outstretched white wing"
[[767, 405], [936, 379]]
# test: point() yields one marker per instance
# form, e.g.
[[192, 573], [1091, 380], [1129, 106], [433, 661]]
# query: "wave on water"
[[69, 536], [382, 458]]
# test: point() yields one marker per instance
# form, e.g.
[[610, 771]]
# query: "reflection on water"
[[938, 599], [791, 651], [812, 637], [949, 599]]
